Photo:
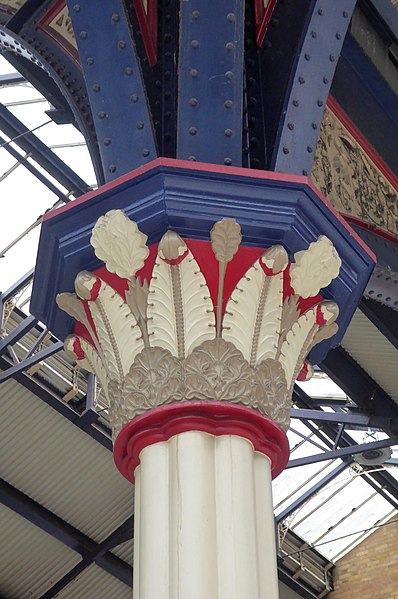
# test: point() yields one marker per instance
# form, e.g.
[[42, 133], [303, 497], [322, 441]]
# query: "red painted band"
[[214, 417], [345, 120]]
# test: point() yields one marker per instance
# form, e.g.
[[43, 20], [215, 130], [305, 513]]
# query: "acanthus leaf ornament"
[[159, 343]]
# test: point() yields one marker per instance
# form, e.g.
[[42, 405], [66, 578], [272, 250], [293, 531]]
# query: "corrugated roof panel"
[[31, 561], [60, 466], [94, 583], [373, 352]]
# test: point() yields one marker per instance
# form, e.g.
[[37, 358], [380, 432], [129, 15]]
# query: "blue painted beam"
[[11, 79], [32, 169], [114, 85], [359, 386], [63, 531], [17, 286], [310, 81], [388, 13], [210, 95], [35, 359], [31, 144], [342, 452], [123, 533], [312, 491], [17, 333], [376, 115]]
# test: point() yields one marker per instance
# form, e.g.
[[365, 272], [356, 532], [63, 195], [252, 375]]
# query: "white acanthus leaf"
[[314, 268], [119, 243]]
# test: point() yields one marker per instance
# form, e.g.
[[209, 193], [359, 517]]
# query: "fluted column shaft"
[[204, 526]]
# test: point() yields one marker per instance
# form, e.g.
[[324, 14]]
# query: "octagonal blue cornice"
[[189, 198]]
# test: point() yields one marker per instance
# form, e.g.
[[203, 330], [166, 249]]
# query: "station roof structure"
[[66, 514]]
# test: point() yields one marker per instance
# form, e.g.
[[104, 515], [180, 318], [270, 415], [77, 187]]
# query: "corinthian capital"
[[179, 329]]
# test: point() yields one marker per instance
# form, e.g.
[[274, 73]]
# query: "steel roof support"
[[17, 334], [343, 452], [47, 159], [123, 533], [360, 387], [210, 94], [314, 489], [28, 362], [115, 85], [309, 85], [66, 533]]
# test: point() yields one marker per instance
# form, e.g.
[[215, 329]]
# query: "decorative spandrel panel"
[[351, 180]]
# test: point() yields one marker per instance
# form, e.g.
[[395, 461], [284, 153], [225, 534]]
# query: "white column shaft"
[[204, 520]]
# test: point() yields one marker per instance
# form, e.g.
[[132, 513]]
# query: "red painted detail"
[[77, 348], [176, 260], [263, 11], [370, 227], [95, 290], [302, 375], [320, 319], [345, 120], [148, 21], [44, 24], [245, 257], [213, 417], [268, 271]]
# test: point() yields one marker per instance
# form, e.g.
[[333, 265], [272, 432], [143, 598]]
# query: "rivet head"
[[290, 126], [231, 17], [338, 36], [193, 131], [195, 44], [305, 173], [296, 103], [332, 58], [145, 152], [320, 12], [102, 114], [193, 72], [193, 102], [285, 150], [115, 18], [229, 74], [76, 8], [229, 46], [310, 149], [228, 103], [228, 161], [325, 80], [83, 35], [314, 34], [128, 71], [90, 61], [107, 141], [314, 126], [307, 56], [112, 168], [96, 87], [228, 132], [320, 102], [195, 14], [301, 79], [121, 44], [345, 14], [134, 98], [140, 125]]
